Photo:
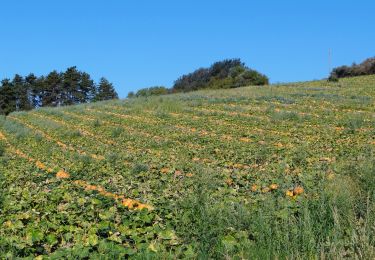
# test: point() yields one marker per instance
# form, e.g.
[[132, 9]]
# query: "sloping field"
[[284, 170]]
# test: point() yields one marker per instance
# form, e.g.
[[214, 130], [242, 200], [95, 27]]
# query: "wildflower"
[[274, 186], [289, 193]]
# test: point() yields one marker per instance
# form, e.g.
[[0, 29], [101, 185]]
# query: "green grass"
[[207, 162]]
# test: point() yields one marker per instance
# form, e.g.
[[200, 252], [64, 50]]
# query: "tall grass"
[[330, 223]]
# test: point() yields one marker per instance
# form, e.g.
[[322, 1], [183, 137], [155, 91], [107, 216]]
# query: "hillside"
[[253, 172]]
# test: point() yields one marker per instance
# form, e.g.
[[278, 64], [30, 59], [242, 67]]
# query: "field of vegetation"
[[281, 171]]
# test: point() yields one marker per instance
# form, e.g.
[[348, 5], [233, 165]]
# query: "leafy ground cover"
[[283, 171]]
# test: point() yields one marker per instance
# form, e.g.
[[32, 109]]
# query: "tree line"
[[229, 73], [367, 67], [56, 89]]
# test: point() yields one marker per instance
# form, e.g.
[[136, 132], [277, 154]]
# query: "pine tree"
[[71, 93], [51, 94], [31, 85], [22, 93], [56, 89], [39, 91], [87, 88], [8, 97], [106, 91]]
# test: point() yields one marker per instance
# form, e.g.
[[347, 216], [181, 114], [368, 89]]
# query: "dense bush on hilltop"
[[55, 89], [151, 91], [230, 73], [367, 67]]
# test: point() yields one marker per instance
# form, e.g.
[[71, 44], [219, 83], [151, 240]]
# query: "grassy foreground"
[[284, 171]]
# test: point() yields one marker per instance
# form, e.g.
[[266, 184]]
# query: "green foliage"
[[131, 94], [117, 132], [8, 97], [152, 91], [105, 91], [367, 67], [223, 74], [273, 172], [323, 225], [56, 89], [2, 149], [140, 167], [333, 78]]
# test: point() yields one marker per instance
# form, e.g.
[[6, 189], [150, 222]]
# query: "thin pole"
[[329, 61]]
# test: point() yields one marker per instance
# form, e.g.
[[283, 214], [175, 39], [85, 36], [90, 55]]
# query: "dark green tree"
[[23, 101], [71, 93], [106, 91], [52, 90], [8, 97], [31, 85], [87, 89], [56, 89]]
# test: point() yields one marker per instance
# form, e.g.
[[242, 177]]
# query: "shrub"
[[139, 167], [117, 132], [131, 94], [367, 67], [230, 73], [333, 78], [152, 91]]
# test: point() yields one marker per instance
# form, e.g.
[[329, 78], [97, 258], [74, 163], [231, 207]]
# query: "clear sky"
[[141, 43]]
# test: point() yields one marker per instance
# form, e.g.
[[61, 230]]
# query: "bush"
[[333, 78], [367, 67], [131, 94], [152, 91], [230, 73], [140, 167]]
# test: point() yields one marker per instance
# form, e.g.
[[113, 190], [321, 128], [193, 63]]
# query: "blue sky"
[[139, 43]]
